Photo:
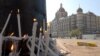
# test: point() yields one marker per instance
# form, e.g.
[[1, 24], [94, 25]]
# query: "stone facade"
[[88, 23]]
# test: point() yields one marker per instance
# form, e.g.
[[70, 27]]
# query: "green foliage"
[[75, 33]]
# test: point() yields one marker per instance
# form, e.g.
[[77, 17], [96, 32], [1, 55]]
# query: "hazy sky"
[[71, 6]]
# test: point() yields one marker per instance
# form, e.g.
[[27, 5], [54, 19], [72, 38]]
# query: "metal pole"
[[19, 24]]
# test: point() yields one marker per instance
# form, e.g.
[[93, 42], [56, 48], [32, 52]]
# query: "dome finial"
[[79, 9], [79, 5], [61, 5]]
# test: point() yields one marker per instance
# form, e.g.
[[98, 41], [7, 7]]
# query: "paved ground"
[[70, 45]]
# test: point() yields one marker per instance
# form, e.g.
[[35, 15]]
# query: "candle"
[[46, 42], [46, 37], [12, 47], [25, 36], [19, 24], [1, 37], [11, 34], [34, 20], [1, 40], [33, 37], [40, 29], [18, 11], [39, 44], [43, 26], [6, 23], [12, 53]]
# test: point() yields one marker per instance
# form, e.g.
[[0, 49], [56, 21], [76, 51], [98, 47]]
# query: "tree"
[[75, 33]]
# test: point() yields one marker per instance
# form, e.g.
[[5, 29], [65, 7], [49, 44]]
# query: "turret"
[[79, 23], [79, 10], [61, 12]]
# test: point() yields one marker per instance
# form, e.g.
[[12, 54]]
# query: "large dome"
[[79, 10], [61, 12], [61, 8]]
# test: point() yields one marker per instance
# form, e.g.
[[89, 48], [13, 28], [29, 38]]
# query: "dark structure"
[[29, 9]]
